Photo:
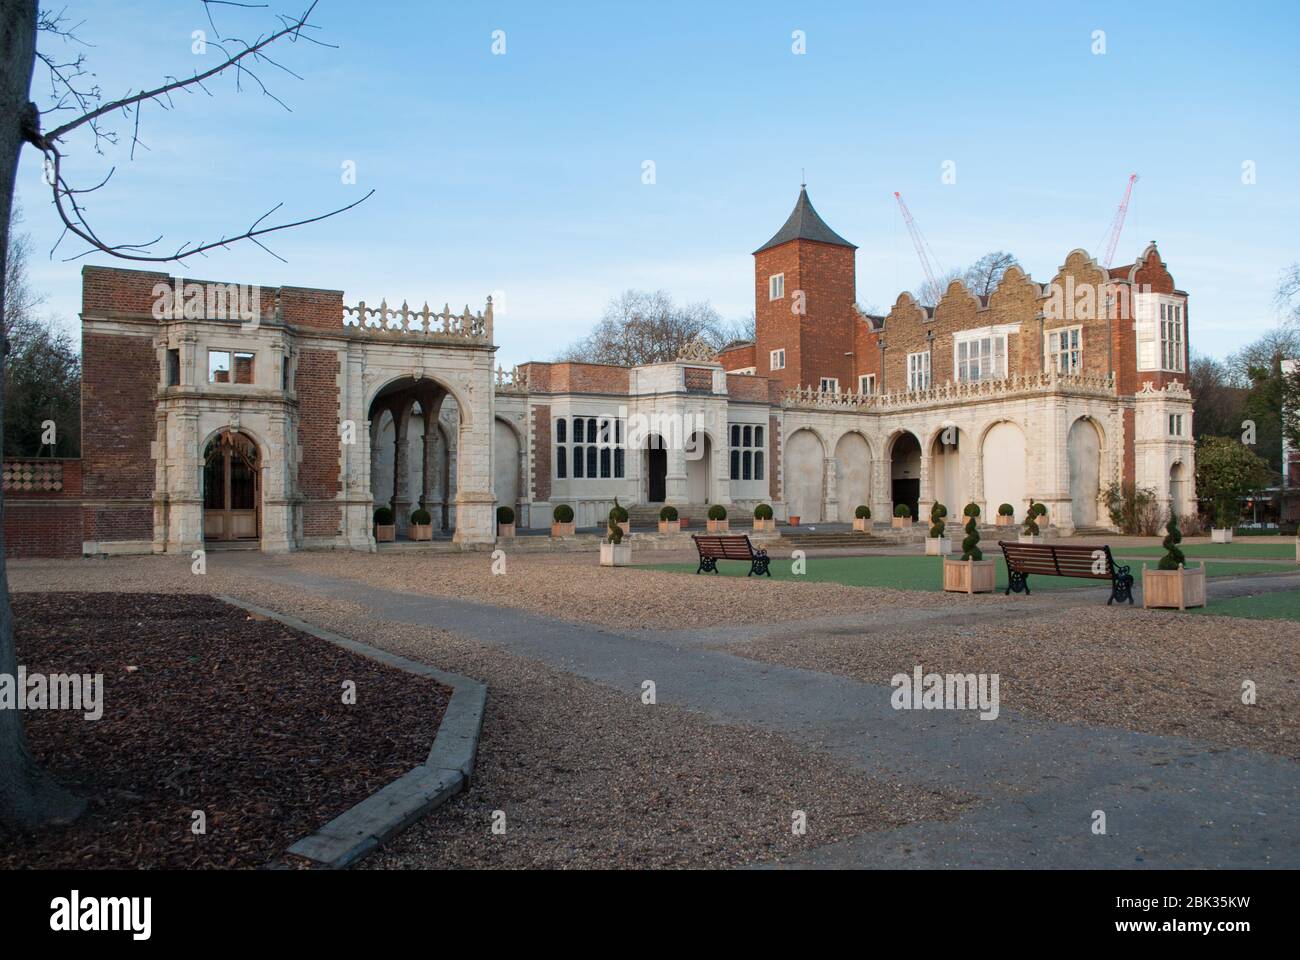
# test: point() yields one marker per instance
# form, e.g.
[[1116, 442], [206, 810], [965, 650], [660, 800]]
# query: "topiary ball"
[[763, 512], [563, 513], [668, 513], [384, 516], [505, 515], [717, 512], [901, 510], [863, 512], [421, 518]]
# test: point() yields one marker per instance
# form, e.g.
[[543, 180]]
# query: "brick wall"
[[775, 447], [541, 452], [318, 435], [46, 522], [737, 358], [576, 378], [118, 382], [307, 307]]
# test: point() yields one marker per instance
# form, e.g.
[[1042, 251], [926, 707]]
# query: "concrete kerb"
[[391, 809]]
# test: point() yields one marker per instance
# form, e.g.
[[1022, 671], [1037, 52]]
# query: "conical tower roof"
[[804, 223]]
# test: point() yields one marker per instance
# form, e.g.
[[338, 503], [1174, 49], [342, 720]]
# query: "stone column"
[[401, 502], [675, 491], [882, 505], [475, 501], [830, 486], [277, 512], [925, 500]]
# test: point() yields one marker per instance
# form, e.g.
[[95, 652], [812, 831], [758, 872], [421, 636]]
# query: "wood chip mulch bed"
[[207, 708]]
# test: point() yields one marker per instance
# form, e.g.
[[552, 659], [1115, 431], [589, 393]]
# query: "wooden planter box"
[[1220, 536], [719, 526], [862, 524], [386, 533], [794, 520], [761, 526], [615, 554], [505, 530], [898, 523], [1005, 521], [969, 576], [670, 526], [1174, 589], [938, 546], [559, 530], [421, 531]]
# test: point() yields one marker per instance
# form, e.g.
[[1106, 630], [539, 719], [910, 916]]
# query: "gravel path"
[[1151, 671], [586, 776]]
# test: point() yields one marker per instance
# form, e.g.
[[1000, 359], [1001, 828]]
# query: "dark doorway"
[[905, 472], [231, 498], [656, 470]]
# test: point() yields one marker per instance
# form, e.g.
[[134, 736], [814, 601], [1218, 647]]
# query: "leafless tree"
[[28, 796], [929, 294], [640, 327], [983, 276], [1287, 298]]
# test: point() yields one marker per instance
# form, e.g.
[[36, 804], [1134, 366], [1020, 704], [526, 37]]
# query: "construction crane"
[[1111, 240], [929, 262]]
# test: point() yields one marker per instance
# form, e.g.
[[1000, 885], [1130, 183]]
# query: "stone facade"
[[282, 417]]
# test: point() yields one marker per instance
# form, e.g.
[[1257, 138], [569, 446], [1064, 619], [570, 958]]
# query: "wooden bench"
[[1065, 560], [715, 548]]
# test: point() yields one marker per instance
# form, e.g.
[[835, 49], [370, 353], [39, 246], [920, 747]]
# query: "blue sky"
[[522, 172]]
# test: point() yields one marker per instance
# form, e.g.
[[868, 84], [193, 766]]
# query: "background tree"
[[43, 367], [29, 797], [1218, 402], [1227, 471], [640, 327], [1287, 298], [983, 276]]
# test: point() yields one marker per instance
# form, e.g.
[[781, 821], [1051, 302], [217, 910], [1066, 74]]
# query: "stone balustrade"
[[951, 392], [442, 326]]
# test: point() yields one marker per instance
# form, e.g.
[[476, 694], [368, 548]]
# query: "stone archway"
[[232, 488], [805, 469], [655, 469], [1177, 486], [905, 472], [1003, 456], [410, 456], [852, 475], [1083, 453], [507, 466]]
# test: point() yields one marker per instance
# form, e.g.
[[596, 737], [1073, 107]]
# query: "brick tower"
[[804, 290]]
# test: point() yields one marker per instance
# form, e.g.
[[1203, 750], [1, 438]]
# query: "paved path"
[[1169, 802]]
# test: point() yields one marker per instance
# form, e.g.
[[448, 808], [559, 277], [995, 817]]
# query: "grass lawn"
[[925, 573], [1283, 605]]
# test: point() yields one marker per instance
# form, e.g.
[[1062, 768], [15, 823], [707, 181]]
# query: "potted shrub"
[[1224, 510], [972, 573], [1006, 515], [668, 522], [618, 514], [1172, 584], [421, 525], [562, 524], [763, 518], [936, 544], [505, 522], [613, 551], [385, 530], [718, 522], [862, 518], [902, 517], [1031, 533]]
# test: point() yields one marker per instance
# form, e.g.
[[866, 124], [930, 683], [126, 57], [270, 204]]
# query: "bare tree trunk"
[[28, 797]]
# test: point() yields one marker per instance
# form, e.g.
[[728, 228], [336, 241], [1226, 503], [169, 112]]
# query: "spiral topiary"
[[863, 512], [615, 531], [668, 513], [618, 514], [384, 516], [970, 547], [1173, 558], [563, 513], [937, 513], [763, 512], [505, 515], [420, 517], [901, 510], [717, 512], [1031, 520]]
